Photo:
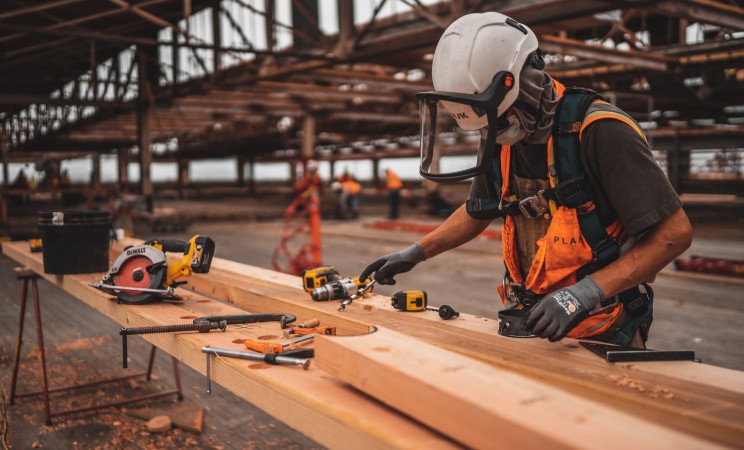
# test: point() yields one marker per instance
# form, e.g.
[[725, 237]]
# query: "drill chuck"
[[335, 290]]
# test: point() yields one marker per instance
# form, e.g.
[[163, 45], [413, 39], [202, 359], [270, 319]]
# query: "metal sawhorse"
[[29, 276]]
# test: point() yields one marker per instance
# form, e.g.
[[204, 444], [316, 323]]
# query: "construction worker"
[[310, 183], [307, 189], [588, 214], [393, 184], [349, 190], [352, 190]]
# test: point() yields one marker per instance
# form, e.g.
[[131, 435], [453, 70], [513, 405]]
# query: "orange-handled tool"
[[274, 347]]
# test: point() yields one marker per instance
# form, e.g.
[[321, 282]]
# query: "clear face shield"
[[458, 131]]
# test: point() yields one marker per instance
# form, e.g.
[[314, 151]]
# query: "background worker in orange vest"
[[349, 192], [393, 184], [566, 281]]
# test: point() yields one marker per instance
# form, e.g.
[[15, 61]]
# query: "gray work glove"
[[559, 312], [386, 267]]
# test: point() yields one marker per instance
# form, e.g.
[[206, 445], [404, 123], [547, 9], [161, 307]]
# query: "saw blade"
[[133, 272]]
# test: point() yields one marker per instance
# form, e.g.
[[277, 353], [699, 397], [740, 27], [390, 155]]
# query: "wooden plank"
[[485, 406], [324, 409], [704, 400]]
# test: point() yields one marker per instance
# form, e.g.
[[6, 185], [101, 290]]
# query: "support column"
[[148, 77], [144, 141], [176, 61], [252, 177], [307, 150], [95, 175], [94, 69], [269, 13], [376, 172], [122, 162], [241, 171], [333, 170], [345, 27], [308, 138], [216, 34], [305, 29], [292, 172], [5, 149], [183, 178]]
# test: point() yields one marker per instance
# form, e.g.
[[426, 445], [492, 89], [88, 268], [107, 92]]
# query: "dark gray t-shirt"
[[624, 179]]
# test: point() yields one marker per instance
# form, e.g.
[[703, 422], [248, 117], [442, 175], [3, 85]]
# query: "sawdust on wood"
[[259, 366], [654, 392], [267, 337]]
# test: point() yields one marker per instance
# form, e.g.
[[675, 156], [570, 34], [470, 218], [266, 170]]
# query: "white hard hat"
[[312, 166], [472, 50]]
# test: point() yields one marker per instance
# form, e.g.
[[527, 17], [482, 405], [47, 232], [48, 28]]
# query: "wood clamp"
[[237, 319]]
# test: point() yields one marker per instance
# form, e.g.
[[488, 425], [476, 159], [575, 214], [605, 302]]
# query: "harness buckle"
[[570, 193], [532, 207], [607, 250], [518, 294]]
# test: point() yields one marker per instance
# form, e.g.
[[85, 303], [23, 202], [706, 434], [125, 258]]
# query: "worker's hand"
[[386, 267], [559, 312]]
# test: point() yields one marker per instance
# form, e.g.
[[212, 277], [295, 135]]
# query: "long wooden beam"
[[703, 400], [481, 406]]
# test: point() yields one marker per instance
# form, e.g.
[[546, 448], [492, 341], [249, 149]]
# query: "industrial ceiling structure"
[[179, 80]]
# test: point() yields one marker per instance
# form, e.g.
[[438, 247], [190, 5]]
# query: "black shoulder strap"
[[489, 208], [567, 169]]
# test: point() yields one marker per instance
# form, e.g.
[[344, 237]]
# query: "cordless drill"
[[319, 276], [339, 289]]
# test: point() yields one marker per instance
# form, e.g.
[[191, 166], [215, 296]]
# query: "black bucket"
[[75, 241]]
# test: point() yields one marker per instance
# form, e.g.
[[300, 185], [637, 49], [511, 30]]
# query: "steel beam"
[[84, 19], [36, 8], [707, 11], [565, 46], [147, 42]]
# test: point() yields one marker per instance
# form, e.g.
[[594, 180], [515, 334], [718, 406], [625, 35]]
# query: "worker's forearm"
[[458, 229], [657, 248]]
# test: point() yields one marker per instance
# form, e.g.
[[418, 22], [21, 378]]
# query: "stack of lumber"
[[411, 380]]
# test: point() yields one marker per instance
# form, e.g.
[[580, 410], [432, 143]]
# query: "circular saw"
[[142, 273]]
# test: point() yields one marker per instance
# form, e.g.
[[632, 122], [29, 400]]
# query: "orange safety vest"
[[563, 250], [393, 181], [351, 186]]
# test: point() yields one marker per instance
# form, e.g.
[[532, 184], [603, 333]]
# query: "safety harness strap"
[[488, 208], [566, 171]]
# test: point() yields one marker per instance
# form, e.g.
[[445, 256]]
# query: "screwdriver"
[[359, 293]]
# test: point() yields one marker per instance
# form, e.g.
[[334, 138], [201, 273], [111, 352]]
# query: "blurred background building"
[[102, 99]]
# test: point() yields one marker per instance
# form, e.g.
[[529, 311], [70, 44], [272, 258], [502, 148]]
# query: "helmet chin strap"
[[513, 133]]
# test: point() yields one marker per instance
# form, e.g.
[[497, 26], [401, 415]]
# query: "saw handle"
[[170, 245]]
